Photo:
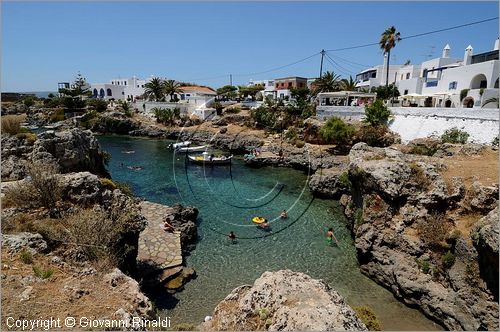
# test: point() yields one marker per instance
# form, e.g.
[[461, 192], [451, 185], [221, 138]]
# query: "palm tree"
[[329, 82], [155, 89], [171, 87], [492, 100], [387, 42], [348, 84]]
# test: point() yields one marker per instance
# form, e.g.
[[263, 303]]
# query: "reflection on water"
[[228, 197]]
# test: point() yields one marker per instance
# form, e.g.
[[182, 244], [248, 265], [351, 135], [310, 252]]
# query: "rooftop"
[[200, 89]]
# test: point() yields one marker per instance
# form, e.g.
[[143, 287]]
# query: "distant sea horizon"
[[39, 94]]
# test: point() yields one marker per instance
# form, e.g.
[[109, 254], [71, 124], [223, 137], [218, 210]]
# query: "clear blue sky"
[[45, 43]]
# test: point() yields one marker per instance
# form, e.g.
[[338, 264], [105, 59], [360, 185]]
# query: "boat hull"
[[215, 161]]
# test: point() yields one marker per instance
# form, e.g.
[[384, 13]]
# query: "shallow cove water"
[[227, 198]]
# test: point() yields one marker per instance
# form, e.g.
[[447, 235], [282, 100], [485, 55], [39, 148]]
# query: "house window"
[[406, 92], [124, 83], [452, 85], [282, 84], [301, 85], [289, 84], [407, 76], [123, 93], [482, 85], [401, 77]]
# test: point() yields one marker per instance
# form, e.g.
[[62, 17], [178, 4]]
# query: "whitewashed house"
[[119, 89], [376, 76], [268, 85], [451, 82]]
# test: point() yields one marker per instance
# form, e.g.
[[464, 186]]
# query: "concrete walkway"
[[155, 245]]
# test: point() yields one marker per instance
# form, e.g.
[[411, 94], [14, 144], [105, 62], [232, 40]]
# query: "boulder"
[[184, 220], [285, 301], [330, 183], [33, 242], [484, 198]]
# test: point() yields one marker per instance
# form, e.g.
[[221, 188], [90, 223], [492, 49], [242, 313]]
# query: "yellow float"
[[259, 220]]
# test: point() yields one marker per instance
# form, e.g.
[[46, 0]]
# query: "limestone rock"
[[330, 183], [33, 242], [284, 300]]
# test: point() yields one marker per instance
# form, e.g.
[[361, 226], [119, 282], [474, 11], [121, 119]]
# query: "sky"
[[46, 43]]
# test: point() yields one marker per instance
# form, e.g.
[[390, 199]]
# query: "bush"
[[448, 260], [26, 256], [41, 273], [165, 115], [368, 317], [265, 118], [463, 94], [11, 124], [426, 267], [495, 141], [56, 116], [29, 137], [232, 110], [358, 216], [87, 119], [28, 101], [337, 131], [418, 175], [373, 136], [291, 134], [122, 186], [455, 135], [300, 143], [344, 180], [433, 231], [42, 189], [98, 105], [377, 114]]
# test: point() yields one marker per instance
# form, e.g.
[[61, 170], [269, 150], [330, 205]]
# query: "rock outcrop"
[[72, 150], [24, 240], [184, 220], [284, 301], [330, 183], [406, 221]]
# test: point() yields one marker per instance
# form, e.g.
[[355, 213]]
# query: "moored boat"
[[191, 149], [179, 145], [206, 159]]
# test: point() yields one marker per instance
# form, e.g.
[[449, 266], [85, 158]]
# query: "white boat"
[[206, 159], [192, 148], [179, 145]]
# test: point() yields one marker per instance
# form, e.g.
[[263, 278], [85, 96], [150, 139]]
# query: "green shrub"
[[232, 110], [291, 134], [125, 188], [26, 256], [28, 101], [433, 231], [463, 94], [418, 175], [337, 131], [377, 114], [426, 267], [97, 104], [87, 119], [358, 215], [41, 273], [367, 316], [165, 115], [11, 124], [448, 260], [455, 135], [344, 180], [56, 116], [265, 118], [423, 150]]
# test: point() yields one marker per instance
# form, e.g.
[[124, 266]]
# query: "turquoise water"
[[227, 198]]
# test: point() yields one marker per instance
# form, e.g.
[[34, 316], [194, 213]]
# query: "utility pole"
[[321, 66], [231, 79]]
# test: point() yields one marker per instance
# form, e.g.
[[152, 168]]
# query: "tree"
[[348, 84], [386, 92], [154, 89], [387, 42], [377, 114], [228, 91], [329, 82], [171, 87], [250, 91], [73, 98]]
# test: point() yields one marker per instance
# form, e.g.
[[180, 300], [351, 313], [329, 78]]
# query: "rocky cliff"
[[72, 150], [414, 233], [287, 301]]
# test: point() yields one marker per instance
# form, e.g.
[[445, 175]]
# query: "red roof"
[[198, 89]]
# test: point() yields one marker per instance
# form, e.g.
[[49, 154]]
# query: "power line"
[[280, 67], [418, 34], [349, 62], [334, 63]]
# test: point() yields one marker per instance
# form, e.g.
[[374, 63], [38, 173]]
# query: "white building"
[[375, 76], [442, 80], [268, 87], [119, 89]]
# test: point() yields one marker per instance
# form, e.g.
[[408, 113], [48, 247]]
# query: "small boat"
[[192, 148], [179, 145], [207, 159]]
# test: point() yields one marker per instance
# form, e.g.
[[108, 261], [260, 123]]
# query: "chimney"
[[446, 51], [496, 45], [468, 55]]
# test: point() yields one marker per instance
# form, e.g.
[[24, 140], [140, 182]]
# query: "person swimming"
[[330, 237], [284, 214], [232, 237]]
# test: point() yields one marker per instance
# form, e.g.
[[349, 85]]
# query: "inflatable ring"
[[258, 220]]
